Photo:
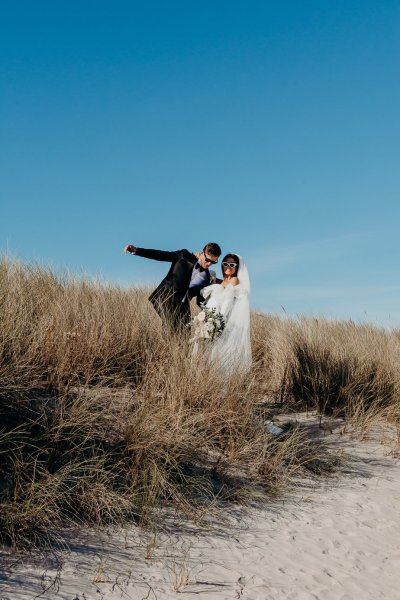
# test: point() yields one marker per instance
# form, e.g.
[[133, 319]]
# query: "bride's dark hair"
[[234, 258]]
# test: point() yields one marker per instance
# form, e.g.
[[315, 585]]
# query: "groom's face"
[[207, 260]]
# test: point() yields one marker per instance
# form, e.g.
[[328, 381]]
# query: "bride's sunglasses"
[[226, 264]]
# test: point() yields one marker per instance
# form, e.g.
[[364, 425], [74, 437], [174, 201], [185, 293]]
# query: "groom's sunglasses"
[[226, 264], [209, 260]]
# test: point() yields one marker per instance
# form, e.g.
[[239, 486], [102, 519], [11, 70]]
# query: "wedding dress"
[[232, 349]]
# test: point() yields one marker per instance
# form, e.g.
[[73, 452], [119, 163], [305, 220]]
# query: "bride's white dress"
[[232, 350]]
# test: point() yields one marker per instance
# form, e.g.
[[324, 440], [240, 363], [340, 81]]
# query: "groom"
[[185, 279]]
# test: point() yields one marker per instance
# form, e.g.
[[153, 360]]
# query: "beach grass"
[[105, 417]]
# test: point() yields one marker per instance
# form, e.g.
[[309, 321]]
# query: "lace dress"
[[232, 350]]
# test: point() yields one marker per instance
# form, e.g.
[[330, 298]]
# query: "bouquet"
[[207, 325]]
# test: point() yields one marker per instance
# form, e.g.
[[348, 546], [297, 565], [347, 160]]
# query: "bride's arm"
[[209, 289]]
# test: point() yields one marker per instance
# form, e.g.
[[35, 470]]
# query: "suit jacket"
[[173, 291]]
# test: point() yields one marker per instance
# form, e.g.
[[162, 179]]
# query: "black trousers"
[[176, 315]]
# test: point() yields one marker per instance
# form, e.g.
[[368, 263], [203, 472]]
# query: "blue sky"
[[270, 127]]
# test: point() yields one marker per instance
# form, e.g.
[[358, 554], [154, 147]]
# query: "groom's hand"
[[213, 276], [130, 249]]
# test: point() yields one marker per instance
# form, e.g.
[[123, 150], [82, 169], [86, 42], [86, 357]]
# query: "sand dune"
[[337, 539]]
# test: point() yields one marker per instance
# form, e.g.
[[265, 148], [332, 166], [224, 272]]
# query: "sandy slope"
[[339, 539]]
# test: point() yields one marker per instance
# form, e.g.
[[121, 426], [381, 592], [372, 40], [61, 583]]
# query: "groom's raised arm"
[[154, 254]]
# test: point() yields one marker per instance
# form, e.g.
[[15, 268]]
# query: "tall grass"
[[104, 416], [336, 368]]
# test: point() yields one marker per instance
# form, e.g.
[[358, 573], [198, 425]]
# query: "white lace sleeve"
[[209, 290]]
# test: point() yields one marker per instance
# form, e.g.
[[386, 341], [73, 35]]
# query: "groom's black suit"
[[171, 299]]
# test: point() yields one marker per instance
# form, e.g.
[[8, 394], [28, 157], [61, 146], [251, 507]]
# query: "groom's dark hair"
[[212, 248]]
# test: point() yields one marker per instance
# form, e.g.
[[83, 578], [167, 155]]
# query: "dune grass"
[[336, 368], [105, 417]]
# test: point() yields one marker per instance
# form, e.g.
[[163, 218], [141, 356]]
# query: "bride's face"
[[229, 270]]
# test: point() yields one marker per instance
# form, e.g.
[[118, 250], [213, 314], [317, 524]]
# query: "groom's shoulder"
[[184, 253]]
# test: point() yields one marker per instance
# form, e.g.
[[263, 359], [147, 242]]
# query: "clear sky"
[[270, 127]]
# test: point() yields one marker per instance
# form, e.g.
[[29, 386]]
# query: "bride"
[[232, 349]]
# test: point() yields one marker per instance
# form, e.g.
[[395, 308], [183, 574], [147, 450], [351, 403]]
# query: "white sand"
[[337, 539]]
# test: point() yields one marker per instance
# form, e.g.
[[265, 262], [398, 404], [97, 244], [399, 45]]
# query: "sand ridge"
[[337, 539]]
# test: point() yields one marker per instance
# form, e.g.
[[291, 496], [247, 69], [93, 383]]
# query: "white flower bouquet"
[[207, 325]]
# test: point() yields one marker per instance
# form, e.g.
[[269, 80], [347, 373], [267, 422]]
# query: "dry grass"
[[105, 417], [337, 368]]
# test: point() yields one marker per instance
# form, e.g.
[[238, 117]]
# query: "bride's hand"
[[233, 281]]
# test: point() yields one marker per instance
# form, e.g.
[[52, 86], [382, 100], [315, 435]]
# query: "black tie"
[[199, 267]]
